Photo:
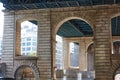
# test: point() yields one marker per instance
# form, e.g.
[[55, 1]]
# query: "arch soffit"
[[89, 46], [116, 41], [19, 21], [115, 15], [58, 25], [25, 19]]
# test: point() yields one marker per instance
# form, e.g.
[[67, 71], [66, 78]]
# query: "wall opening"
[[115, 32], [90, 58], [68, 48], [26, 40], [25, 73], [116, 47], [115, 28], [117, 74], [74, 54], [59, 54]]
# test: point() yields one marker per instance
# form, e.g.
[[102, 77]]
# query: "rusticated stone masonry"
[[49, 21]]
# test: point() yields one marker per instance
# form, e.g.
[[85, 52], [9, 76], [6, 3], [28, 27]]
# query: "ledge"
[[26, 57]]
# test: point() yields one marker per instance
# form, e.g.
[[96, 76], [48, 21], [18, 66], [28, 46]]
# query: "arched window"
[[117, 74], [71, 29], [115, 29], [74, 54], [116, 47], [90, 57]]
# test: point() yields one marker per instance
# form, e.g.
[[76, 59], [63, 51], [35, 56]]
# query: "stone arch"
[[30, 65], [89, 44], [116, 46], [115, 65], [115, 15], [58, 25], [114, 68], [111, 17], [90, 57], [116, 40]]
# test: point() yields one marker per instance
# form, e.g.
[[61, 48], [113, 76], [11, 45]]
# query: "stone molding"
[[27, 64]]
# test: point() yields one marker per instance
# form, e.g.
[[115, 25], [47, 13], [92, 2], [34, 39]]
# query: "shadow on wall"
[[2, 69]]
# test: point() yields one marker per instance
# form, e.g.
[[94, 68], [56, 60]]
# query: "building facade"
[[106, 64], [0, 47]]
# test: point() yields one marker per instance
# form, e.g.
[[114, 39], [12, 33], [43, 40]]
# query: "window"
[[115, 29], [34, 39], [90, 57], [33, 48], [23, 44], [116, 47], [28, 48], [28, 43], [28, 39], [23, 39], [28, 32], [59, 53], [23, 49], [34, 43], [74, 54]]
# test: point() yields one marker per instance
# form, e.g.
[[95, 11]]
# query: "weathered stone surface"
[[49, 21]]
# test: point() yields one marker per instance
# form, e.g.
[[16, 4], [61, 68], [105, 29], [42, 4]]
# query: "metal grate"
[[36, 4]]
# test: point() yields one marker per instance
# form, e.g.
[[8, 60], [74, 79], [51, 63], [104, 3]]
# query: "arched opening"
[[70, 49], [115, 26], [117, 74], [26, 40], [90, 58], [24, 73], [74, 54], [116, 47], [115, 29]]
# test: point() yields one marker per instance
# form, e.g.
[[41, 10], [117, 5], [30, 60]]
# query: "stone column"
[[83, 56], [65, 53], [8, 42], [102, 39], [44, 62]]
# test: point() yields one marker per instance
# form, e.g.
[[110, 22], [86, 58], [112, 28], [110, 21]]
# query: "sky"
[[1, 19]]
